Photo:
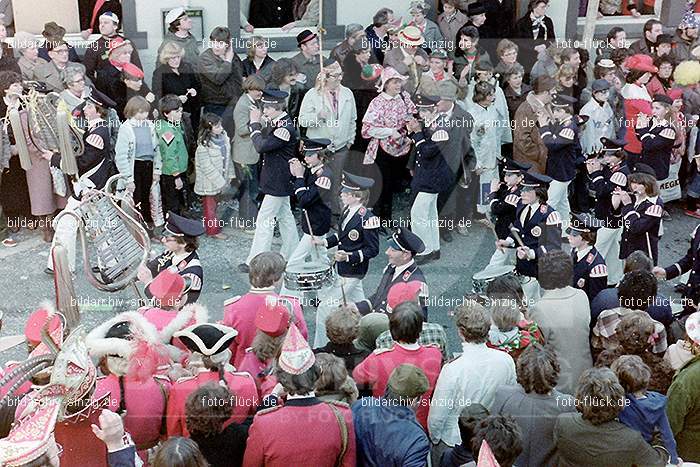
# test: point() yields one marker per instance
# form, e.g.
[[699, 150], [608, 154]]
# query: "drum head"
[[493, 271]]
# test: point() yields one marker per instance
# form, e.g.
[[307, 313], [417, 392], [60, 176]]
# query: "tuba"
[[113, 242], [49, 128]]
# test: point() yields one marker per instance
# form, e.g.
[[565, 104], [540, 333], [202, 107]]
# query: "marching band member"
[[94, 169], [209, 344], [657, 136], [357, 242], [505, 198], [180, 240], [689, 263], [404, 246], [431, 176], [312, 185], [605, 177], [561, 139], [590, 271], [539, 227], [642, 219], [277, 146]]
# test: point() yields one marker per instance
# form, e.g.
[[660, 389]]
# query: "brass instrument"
[[49, 129], [118, 243]]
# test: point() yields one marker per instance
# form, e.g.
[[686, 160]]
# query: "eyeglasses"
[[335, 75], [81, 80]]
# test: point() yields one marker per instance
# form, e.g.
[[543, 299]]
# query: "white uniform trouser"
[[274, 207], [558, 194], [317, 253], [608, 244], [66, 231], [332, 299], [424, 220]]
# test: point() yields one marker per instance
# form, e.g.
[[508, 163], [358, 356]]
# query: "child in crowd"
[[212, 169], [644, 411]]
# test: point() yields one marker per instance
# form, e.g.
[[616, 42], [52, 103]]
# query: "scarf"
[[537, 25]]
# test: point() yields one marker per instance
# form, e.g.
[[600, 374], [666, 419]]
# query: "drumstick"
[[516, 236], [311, 232], [342, 290]]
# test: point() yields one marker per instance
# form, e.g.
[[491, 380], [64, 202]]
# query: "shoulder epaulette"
[[95, 141], [512, 200], [567, 133], [282, 133], [232, 300], [371, 223], [654, 210], [554, 218], [440, 136], [599, 271], [668, 133], [618, 178], [323, 182]]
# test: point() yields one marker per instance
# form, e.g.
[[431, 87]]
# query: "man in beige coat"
[[563, 315], [528, 147]]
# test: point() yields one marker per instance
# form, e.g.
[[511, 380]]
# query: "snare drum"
[[481, 279], [308, 278]]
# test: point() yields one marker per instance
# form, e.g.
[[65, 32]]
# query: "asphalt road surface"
[[24, 285]]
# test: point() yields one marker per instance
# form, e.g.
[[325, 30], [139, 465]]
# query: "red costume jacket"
[[377, 367], [302, 432], [240, 311], [241, 385]]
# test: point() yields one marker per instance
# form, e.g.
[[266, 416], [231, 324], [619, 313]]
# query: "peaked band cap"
[[405, 240], [355, 183], [423, 101], [207, 339], [512, 166], [535, 180], [584, 222], [178, 226], [314, 145], [273, 96], [297, 356]]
